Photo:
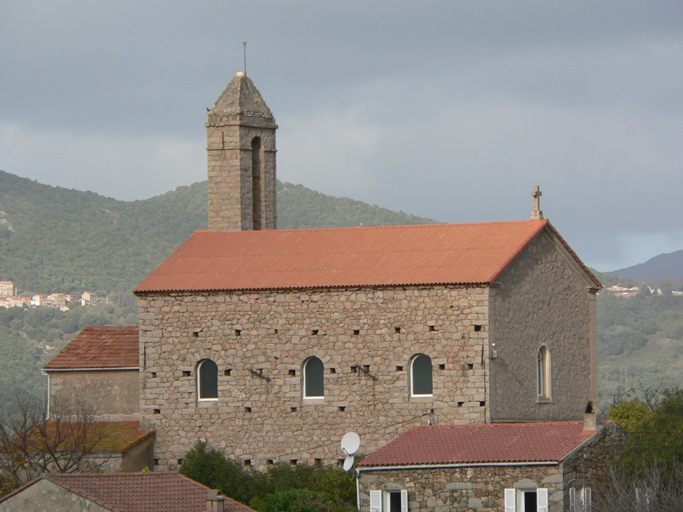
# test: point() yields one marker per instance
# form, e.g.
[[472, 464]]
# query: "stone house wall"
[[542, 299], [45, 495], [109, 395], [590, 466], [462, 489], [365, 337]]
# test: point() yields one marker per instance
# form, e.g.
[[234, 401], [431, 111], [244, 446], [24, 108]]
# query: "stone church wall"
[[541, 299], [260, 340]]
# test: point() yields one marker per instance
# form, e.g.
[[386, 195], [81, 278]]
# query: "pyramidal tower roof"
[[241, 96]]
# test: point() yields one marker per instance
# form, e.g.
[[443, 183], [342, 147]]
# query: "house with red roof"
[[124, 492], [515, 467], [98, 371], [271, 344]]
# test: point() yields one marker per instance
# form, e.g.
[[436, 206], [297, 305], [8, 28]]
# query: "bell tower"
[[240, 134]]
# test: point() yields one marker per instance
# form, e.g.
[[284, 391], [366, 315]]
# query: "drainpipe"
[[47, 411], [357, 489]]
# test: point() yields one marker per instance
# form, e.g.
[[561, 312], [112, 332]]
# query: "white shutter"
[[587, 500], [375, 501], [510, 495], [542, 498], [404, 500], [573, 506]]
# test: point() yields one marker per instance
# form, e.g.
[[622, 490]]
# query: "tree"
[[648, 474], [30, 445], [655, 425], [301, 488]]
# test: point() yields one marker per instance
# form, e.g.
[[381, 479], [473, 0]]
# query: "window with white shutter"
[[510, 499], [587, 499], [542, 500], [580, 500], [404, 500], [375, 501]]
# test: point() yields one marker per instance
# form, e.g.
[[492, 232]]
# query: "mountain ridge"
[[66, 240]]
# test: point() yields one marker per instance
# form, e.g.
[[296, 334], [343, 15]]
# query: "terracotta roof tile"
[[142, 492], [481, 443], [318, 258], [103, 346]]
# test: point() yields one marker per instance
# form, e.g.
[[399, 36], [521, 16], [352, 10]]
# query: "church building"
[[271, 344]]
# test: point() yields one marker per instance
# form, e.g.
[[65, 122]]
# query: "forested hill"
[[54, 239]]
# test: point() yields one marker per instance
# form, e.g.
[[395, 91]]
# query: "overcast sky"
[[452, 110]]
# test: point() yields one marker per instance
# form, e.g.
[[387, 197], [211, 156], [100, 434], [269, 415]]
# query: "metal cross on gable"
[[537, 213]]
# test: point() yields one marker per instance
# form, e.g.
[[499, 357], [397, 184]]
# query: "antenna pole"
[[244, 47]]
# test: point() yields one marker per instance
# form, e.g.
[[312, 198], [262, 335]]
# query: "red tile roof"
[[103, 346], [319, 258], [481, 443], [165, 491]]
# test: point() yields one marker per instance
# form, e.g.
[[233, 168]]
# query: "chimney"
[[590, 421], [214, 501]]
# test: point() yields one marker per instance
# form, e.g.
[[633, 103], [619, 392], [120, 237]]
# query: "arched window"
[[421, 376], [256, 182], [207, 380], [314, 378], [543, 372]]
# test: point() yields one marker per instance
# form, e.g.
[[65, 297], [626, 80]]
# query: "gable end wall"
[[541, 299]]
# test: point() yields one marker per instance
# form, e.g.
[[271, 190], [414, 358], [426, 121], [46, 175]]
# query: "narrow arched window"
[[256, 182], [207, 380], [543, 372], [421, 376], [314, 378]]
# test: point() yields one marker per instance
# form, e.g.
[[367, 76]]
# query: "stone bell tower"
[[240, 135]]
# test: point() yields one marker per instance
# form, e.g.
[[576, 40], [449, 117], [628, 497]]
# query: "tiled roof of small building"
[[104, 346], [98, 436], [165, 491], [341, 257], [482, 443]]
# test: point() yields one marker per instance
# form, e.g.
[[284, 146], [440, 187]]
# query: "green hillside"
[[54, 239]]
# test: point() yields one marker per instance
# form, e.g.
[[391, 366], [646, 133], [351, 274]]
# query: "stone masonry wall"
[[259, 340], [107, 395], [590, 466], [44, 495], [463, 489], [229, 159], [541, 300]]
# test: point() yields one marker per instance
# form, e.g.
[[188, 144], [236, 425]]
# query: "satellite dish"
[[348, 463], [350, 443]]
